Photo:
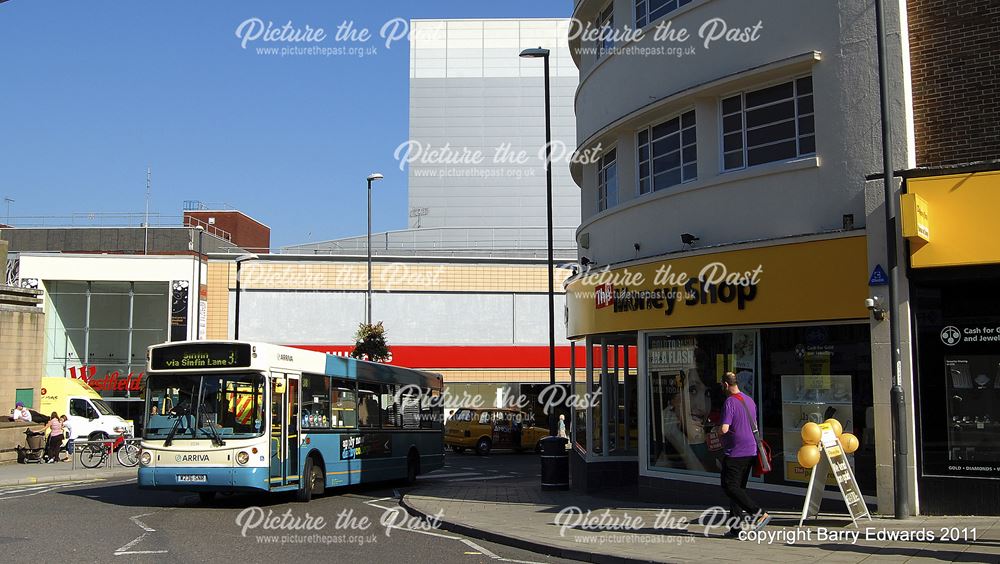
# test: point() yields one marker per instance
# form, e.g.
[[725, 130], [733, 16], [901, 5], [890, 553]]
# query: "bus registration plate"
[[192, 478]]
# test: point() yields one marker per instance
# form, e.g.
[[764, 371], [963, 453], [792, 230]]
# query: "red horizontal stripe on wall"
[[480, 357]]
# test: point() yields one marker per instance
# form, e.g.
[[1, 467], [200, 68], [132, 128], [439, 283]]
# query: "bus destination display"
[[215, 355]]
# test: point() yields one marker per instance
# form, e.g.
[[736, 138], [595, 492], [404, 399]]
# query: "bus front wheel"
[[312, 476]]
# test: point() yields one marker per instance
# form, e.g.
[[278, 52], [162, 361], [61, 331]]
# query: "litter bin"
[[555, 464]]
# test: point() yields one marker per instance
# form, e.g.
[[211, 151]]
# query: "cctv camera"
[[870, 303]]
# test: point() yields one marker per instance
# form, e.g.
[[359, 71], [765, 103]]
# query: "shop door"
[[284, 430]]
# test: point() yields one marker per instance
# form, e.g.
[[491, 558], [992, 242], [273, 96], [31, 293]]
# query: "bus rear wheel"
[[412, 468], [483, 446]]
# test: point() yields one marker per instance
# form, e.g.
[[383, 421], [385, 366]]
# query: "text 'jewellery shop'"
[[788, 319]]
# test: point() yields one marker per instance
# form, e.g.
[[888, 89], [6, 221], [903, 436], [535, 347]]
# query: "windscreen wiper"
[[173, 430], [216, 438]]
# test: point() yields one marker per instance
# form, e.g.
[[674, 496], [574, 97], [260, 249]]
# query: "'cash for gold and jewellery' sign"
[[808, 281]]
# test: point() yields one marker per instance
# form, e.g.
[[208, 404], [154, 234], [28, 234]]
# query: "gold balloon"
[[811, 433], [837, 428], [808, 456], [849, 442]]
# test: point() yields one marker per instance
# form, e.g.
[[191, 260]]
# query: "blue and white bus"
[[224, 416]]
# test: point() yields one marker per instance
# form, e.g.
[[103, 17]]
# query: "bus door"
[[284, 429]]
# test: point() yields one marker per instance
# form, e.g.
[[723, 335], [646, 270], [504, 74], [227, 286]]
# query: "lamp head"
[[375, 176], [246, 257], [534, 53]]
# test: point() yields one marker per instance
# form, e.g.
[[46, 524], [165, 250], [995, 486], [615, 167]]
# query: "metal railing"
[[106, 450]]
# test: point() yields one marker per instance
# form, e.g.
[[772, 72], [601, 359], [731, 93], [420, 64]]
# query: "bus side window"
[[344, 405], [390, 409], [368, 407], [485, 418]]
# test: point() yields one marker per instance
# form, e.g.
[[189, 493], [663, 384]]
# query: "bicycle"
[[95, 454]]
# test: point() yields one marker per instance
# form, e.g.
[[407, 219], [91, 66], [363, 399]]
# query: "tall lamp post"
[[901, 495], [543, 54], [236, 321], [368, 296]]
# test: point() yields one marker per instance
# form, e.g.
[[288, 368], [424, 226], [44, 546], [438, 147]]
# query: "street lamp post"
[[544, 55], [368, 296], [236, 316]]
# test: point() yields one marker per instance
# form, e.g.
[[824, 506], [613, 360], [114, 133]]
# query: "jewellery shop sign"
[[818, 280]]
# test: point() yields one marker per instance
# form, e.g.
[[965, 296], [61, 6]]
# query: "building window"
[[768, 125], [607, 181], [668, 153], [648, 11], [606, 25]]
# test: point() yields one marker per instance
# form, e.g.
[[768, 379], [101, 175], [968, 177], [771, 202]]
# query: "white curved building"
[[731, 139]]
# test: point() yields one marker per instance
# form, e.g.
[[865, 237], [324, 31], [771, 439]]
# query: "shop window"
[[813, 374], [315, 401], [684, 376], [580, 423]]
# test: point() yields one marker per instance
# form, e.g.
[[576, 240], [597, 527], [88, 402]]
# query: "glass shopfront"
[[795, 375], [685, 396], [958, 323], [100, 331]]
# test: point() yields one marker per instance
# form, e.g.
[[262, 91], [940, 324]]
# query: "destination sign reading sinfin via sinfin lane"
[[195, 357]]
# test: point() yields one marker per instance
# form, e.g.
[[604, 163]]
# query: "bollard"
[[555, 464]]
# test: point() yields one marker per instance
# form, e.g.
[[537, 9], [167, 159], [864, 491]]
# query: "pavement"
[[617, 526], [14, 474]]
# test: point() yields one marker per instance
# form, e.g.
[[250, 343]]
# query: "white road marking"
[[135, 520], [130, 544], [468, 542], [495, 556], [142, 525], [452, 475], [474, 478]]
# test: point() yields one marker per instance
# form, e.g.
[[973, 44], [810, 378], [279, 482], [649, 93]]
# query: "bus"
[[227, 416]]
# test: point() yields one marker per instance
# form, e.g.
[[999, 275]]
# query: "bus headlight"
[[145, 458], [242, 457]]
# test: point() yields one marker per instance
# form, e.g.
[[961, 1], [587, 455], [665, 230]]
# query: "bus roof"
[[266, 357]]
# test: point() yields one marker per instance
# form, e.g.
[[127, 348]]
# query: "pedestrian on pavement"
[[20, 413], [740, 450], [55, 429], [68, 433], [562, 426]]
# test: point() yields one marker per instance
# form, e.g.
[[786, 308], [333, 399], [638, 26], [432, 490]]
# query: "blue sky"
[[93, 92]]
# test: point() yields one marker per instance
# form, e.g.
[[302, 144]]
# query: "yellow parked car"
[[486, 429]]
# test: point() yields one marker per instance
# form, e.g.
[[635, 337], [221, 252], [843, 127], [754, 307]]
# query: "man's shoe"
[[761, 522], [733, 533]]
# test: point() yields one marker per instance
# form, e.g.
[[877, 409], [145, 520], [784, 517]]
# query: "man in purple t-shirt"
[[740, 450]]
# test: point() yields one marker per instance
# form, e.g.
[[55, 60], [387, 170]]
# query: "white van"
[[90, 417]]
